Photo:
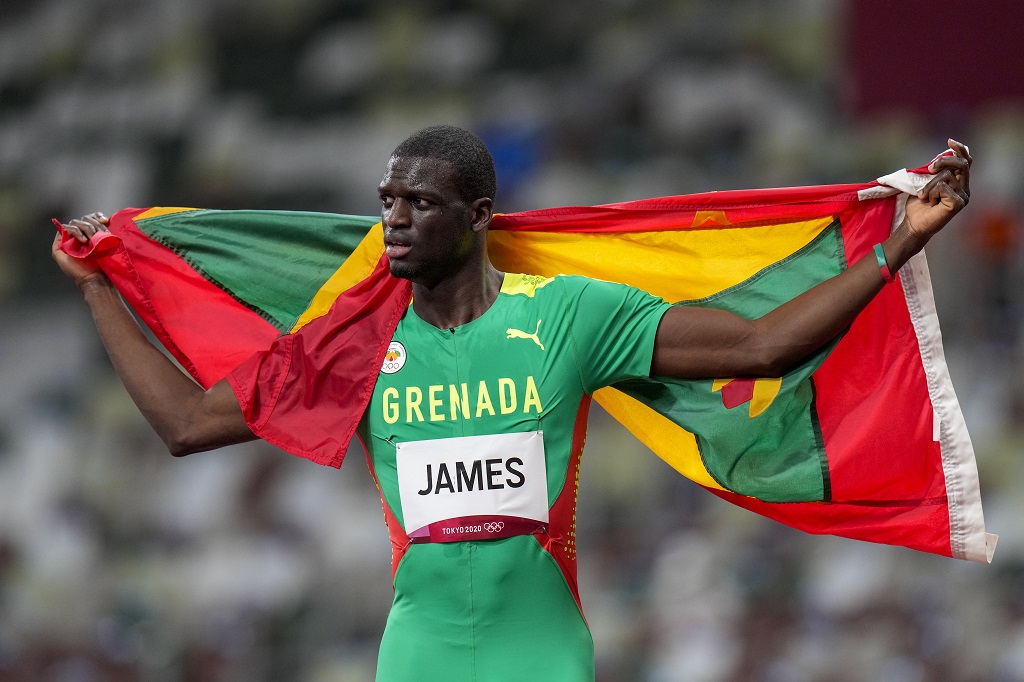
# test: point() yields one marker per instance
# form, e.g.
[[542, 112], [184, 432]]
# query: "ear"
[[481, 211]]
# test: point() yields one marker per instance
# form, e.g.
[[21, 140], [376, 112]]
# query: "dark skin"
[[187, 418], [694, 343], [438, 241]]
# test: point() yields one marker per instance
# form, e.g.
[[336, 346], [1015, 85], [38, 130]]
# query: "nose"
[[396, 215]]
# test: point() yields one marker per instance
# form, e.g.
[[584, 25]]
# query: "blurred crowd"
[[118, 562]]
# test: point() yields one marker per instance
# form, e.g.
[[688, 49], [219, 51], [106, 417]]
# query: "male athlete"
[[477, 420]]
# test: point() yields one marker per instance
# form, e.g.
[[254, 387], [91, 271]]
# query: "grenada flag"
[[863, 440]]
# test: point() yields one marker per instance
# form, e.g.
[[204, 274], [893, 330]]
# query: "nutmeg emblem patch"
[[394, 358]]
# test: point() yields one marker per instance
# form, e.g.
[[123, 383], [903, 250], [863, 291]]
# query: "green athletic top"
[[475, 433]]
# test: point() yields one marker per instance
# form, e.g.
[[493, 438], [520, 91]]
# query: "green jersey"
[[474, 437]]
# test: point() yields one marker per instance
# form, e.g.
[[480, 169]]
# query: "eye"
[[387, 200], [421, 203]]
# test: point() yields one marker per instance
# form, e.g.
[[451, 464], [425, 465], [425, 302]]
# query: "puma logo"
[[516, 334]]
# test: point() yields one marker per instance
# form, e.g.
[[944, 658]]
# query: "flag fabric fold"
[[863, 440]]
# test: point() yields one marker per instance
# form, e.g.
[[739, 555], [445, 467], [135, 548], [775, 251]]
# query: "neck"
[[457, 300]]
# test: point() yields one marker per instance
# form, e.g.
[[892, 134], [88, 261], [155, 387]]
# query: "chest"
[[511, 373]]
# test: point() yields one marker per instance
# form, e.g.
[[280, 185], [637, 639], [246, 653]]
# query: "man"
[[477, 419]]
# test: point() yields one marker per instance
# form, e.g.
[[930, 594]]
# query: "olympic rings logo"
[[494, 526], [394, 359]]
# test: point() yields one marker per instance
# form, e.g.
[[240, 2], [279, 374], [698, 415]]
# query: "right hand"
[[944, 196], [80, 270]]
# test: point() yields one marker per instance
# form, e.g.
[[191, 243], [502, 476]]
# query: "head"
[[437, 197], [471, 163]]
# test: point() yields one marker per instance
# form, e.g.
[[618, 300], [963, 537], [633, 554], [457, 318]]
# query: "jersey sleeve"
[[612, 330]]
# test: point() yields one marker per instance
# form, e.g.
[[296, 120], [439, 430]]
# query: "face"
[[428, 228]]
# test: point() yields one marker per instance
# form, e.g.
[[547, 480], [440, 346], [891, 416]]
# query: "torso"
[[471, 607]]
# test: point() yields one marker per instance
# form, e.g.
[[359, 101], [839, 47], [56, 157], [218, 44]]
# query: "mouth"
[[396, 249]]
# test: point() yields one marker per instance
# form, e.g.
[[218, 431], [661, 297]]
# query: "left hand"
[[944, 196]]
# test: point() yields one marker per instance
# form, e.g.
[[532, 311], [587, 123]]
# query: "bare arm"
[[187, 418], [696, 343]]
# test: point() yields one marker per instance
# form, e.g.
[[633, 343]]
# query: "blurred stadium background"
[[120, 563]]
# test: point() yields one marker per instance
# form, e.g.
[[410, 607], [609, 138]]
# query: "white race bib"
[[473, 487]]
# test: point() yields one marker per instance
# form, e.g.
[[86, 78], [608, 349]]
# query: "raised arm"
[[694, 343], [187, 418]]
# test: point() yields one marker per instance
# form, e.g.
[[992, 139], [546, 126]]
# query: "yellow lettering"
[[390, 396], [435, 403], [459, 405], [532, 396], [458, 401], [507, 395], [483, 401], [413, 398]]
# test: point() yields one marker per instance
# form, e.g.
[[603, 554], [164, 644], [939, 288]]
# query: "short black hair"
[[467, 153]]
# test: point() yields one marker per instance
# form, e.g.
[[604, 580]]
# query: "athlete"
[[477, 420]]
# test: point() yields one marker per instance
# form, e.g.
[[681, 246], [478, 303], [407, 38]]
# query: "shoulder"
[[531, 286], [589, 289], [518, 284]]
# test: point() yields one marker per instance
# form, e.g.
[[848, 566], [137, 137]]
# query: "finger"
[[86, 226], [963, 194], [960, 149], [960, 173], [75, 230], [938, 186], [956, 180], [930, 193], [95, 223], [964, 182], [950, 162], [964, 175], [100, 218], [948, 196]]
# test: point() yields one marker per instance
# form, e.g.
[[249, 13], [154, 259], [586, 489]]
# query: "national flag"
[[865, 439]]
